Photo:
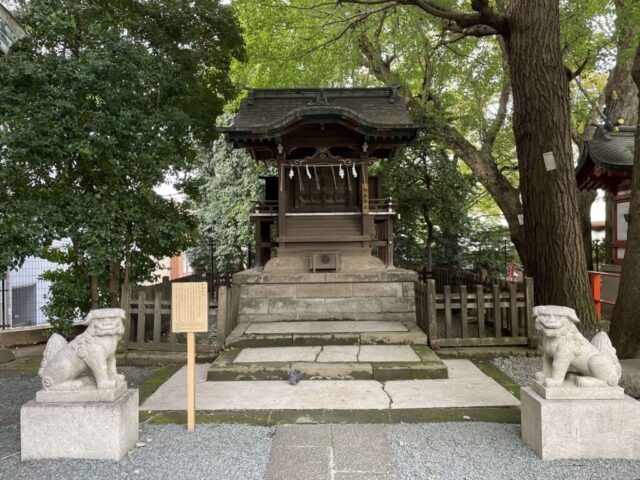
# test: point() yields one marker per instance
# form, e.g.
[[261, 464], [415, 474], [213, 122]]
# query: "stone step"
[[466, 387], [329, 362], [340, 332]]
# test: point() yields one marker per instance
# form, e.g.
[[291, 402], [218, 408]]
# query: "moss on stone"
[[154, 381], [499, 376], [486, 352], [282, 417]]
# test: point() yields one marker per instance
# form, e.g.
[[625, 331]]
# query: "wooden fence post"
[[528, 311], [142, 317], [432, 323], [125, 304]]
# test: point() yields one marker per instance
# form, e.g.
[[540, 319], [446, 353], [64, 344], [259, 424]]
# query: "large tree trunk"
[[621, 92], [585, 200], [541, 121], [114, 283], [625, 319]]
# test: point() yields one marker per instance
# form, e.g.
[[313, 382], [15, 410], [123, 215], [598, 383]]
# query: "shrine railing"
[[266, 207], [472, 316], [381, 205]]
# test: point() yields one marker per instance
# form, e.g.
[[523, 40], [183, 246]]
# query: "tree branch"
[[484, 15]]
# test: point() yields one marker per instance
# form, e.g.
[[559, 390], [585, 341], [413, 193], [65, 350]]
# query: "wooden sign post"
[[190, 314]]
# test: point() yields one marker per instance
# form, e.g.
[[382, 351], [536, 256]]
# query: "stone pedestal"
[[580, 427], [377, 295], [72, 429]]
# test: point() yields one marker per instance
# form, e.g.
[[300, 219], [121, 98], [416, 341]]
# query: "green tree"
[[228, 187], [432, 197], [97, 106], [458, 64]]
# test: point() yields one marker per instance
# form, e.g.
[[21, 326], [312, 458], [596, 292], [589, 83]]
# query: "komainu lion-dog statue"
[[89, 360], [567, 354]]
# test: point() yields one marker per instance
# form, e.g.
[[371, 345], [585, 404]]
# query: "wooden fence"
[[475, 317], [148, 325]]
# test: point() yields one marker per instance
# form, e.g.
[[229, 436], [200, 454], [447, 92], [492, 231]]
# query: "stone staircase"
[[328, 350]]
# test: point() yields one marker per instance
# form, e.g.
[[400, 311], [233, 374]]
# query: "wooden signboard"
[[189, 307], [190, 314]]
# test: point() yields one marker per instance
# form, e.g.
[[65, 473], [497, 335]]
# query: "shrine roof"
[[611, 151], [266, 111]]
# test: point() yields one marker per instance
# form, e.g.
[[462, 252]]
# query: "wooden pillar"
[[191, 381], [258, 238], [389, 224], [282, 200], [364, 196]]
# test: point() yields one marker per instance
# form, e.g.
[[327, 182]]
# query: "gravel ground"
[[18, 388], [521, 369], [470, 451], [15, 389], [233, 452]]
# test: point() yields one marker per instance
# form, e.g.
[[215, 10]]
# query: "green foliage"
[[432, 196], [452, 82], [97, 106], [229, 185]]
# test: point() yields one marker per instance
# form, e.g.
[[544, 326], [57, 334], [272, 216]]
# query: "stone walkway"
[[331, 452], [466, 386]]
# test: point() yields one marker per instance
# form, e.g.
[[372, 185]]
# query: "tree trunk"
[[541, 122], [625, 318], [585, 200], [621, 92], [607, 248], [114, 284], [95, 301]]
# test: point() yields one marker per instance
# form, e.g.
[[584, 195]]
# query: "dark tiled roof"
[[610, 149], [268, 110]]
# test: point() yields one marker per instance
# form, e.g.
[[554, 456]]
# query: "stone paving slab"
[[278, 354], [330, 452], [329, 354], [325, 327], [339, 353], [466, 387], [387, 353]]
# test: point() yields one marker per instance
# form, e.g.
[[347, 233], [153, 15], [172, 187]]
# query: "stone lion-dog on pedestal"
[[88, 361], [568, 354]]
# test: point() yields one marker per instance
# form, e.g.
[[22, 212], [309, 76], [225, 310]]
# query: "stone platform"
[[90, 393], [329, 362], [376, 295], [466, 387], [365, 332], [90, 430], [580, 428]]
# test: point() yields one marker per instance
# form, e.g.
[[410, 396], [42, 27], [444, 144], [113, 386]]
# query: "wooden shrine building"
[[322, 211], [607, 163], [323, 230]]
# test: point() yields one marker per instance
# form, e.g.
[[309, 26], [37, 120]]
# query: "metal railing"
[[595, 280]]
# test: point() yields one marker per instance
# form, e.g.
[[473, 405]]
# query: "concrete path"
[[331, 452], [466, 387]]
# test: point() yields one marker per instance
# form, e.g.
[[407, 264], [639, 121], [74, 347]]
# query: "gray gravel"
[[15, 389], [521, 369], [233, 452], [470, 451]]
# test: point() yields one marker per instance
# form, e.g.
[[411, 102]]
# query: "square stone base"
[[91, 430], [557, 429], [374, 296]]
